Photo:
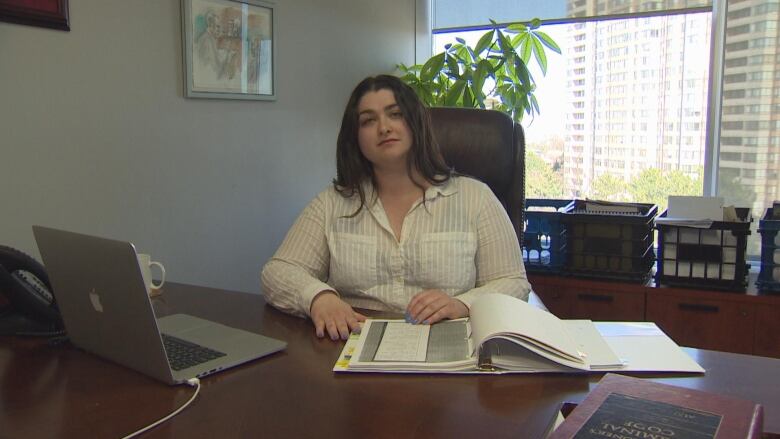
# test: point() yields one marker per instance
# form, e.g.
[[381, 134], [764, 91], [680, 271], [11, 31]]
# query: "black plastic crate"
[[607, 244], [712, 257], [769, 277], [544, 237]]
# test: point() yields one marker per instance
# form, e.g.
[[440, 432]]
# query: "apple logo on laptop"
[[95, 299]]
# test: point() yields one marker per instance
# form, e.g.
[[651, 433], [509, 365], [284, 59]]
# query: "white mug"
[[146, 263]]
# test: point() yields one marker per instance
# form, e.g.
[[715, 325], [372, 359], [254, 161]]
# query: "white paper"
[[713, 270], [695, 208], [698, 269], [496, 314], [670, 251], [710, 237], [729, 271], [646, 348], [684, 269], [589, 340], [628, 329], [403, 342]]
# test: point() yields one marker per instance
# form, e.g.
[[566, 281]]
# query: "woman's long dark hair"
[[424, 156]]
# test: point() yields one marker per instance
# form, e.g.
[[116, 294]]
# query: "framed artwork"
[[228, 49], [44, 13]]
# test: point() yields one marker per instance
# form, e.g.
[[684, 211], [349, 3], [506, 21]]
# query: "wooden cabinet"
[[594, 300], [703, 323], [605, 304], [742, 322], [767, 331]]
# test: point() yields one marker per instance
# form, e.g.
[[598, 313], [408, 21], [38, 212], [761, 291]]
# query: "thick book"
[[506, 335], [621, 406]]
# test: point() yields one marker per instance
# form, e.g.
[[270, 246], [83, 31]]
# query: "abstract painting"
[[228, 49]]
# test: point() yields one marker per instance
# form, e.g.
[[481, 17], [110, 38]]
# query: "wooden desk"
[[61, 392]]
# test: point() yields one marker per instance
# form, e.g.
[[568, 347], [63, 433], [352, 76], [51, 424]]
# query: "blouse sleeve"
[[298, 270], [498, 259]]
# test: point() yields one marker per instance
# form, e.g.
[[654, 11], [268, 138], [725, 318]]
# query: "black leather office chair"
[[489, 146]]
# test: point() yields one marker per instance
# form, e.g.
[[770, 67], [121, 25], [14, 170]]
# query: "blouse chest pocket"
[[446, 260], [353, 262]]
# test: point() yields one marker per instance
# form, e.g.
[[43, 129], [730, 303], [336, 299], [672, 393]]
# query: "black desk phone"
[[27, 306]]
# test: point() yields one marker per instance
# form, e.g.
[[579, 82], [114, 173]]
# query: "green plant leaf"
[[471, 53], [481, 73], [535, 23], [452, 67], [535, 104], [409, 78], [479, 96], [539, 54], [484, 42], [454, 94], [547, 41], [522, 104], [432, 67], [516, 27], [522, 72], [505, 44], [468, 98], [463, 54], [497, 61], [525, 51], [508, 96], [517, 40]]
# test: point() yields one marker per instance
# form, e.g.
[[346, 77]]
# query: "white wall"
[[97, 137]]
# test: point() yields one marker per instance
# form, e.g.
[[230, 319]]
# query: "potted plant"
[[459, 76]]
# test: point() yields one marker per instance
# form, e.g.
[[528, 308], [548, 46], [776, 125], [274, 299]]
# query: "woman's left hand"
[[431, 306]]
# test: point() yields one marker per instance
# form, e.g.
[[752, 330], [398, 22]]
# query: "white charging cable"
[[194, 382]]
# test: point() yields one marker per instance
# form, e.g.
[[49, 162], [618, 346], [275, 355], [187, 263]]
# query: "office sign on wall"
[[228, 49]]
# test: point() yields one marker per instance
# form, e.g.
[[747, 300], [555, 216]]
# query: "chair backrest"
[[489, 146]]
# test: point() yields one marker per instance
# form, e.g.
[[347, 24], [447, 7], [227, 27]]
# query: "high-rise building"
[[751, 103], [637, 95]]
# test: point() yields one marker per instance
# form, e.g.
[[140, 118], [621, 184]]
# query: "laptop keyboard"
[[183, 354]]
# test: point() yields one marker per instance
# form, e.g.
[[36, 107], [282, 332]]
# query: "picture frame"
[[42, 13], [229, 49]]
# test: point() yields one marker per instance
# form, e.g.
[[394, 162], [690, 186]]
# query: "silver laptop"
[[106, 309]]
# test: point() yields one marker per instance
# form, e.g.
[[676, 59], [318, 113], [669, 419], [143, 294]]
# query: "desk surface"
[[62, 392]]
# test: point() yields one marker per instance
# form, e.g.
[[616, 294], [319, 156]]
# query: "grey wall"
[[97, 137]]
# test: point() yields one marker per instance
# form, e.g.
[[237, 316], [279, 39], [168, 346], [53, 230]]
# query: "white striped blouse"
[[459, 241]]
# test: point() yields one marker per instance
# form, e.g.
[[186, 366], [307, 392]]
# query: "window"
[[636, 95], [633, 105]]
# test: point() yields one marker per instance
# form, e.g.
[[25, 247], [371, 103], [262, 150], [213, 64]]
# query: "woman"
[[397, 231]]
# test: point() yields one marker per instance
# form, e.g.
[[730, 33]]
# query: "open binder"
[[507, 335]]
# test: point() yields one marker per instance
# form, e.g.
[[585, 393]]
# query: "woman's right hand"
[[329, 312]]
